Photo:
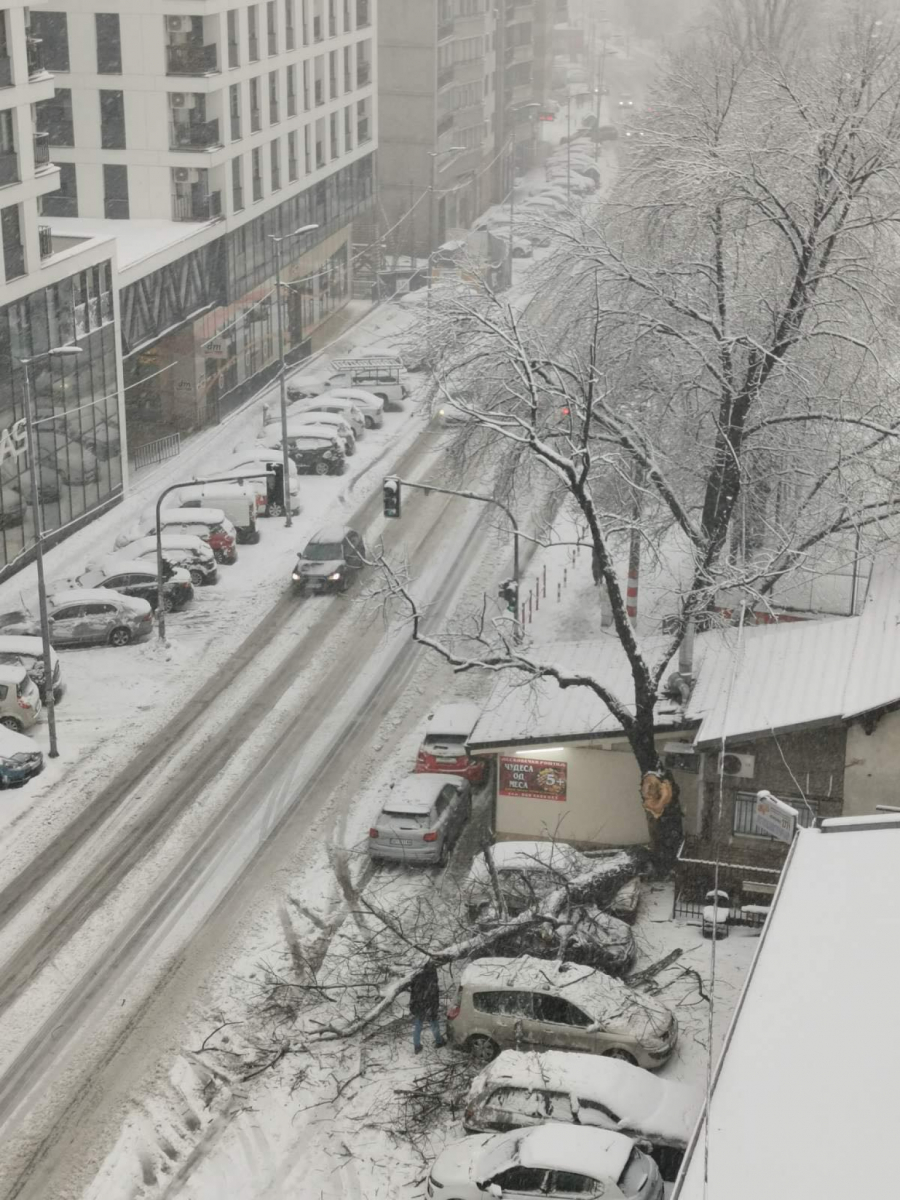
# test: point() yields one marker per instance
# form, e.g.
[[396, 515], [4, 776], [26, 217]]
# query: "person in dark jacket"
[[424, 998]]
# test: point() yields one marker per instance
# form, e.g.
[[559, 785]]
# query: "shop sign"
[[534, 778], [13, 441], [774, 817], [216, 347]]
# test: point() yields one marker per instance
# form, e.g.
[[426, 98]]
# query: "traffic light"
[[508, 591], [390, 494]]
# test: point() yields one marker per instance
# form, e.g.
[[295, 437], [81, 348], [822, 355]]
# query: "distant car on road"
[[421, 819], [626, 100], [329, 561], [20, 759]]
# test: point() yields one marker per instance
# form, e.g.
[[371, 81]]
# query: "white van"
[[381, 374], [238, 501]]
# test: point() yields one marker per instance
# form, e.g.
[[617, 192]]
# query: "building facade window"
[[273, 98], [290, 37], [13, 250], [275, 164], [64, 202], [54, 117], [112, 120], [292, 91], [253, 32], [237, 184], [53, 30], [80, 466], [115, 192], [234, 45], [255, 117], [256, 160], [234, 111], [332, 74], [348, 128], [333, 135], [109, 43], [272, 27], [293, 165]]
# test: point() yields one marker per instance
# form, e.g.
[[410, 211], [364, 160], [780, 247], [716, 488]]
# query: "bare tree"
[[771, 26], [715, 364]]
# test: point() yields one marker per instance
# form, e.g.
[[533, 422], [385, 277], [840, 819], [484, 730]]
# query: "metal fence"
[[745, 885], [157, 452]]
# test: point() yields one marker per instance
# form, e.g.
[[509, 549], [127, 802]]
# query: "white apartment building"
[[195, 131], [54, 291]]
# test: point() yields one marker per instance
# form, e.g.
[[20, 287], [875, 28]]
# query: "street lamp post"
[[288, 520], [434, 155], [34, 468]]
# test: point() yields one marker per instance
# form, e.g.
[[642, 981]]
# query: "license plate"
[[401, 842], [446, 762]]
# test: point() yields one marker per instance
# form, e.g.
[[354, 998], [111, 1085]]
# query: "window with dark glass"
[[64, 202], [13, 251], [112, 120], [256, 160], [271, 27], [234, 51], [275, 161], [253, 32], [5, 60], [273, 97], [237, 184], [9, 159], [293, 168], [292, 91], [109, 44], [55, 118], [234, 108], [115, 191], [53, 31], [255, 122], [290, 40]]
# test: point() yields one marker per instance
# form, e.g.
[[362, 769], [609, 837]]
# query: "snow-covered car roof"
[[323, 402], [97, 596], [360, 394], [170, 541], [458, 717], [531, 856], [305, 429], [606, 1000], [334, 420], [329, 534], [12, 674], [23, 643], [261, 462], [647, 1106], [597, 1153], [15, 743], [417, 793], [193, 516]]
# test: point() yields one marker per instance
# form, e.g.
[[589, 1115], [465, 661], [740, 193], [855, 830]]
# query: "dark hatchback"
[[329, 561], [20, 760], [316, 454], [141, 581]]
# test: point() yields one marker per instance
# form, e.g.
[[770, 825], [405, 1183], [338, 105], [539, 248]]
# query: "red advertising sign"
[[534, 778]]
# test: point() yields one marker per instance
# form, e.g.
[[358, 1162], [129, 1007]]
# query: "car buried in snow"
[[20, 759]]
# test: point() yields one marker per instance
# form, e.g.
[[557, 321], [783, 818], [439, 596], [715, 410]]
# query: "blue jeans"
[[418, 1022]]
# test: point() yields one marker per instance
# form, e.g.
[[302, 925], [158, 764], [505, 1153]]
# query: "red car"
[[444, 746]]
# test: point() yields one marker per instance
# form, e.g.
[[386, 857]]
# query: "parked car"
[[520, 1089], [136, 578], [526, 871], [531, 1003], [20, 700], [180, 550], [97, 617], [18, 622], [236, 500], [421, 819], [334, 421], [29, 651], [548, 1160], [335, 405], [315, 449], [589, 935], [370, 405], [378, 373], [329, 561], [269, 499], [209, 524], [443, 748], [20, 759]]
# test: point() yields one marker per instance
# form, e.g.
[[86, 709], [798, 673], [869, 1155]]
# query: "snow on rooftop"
[[135, 240], [521, 710], [804, 1101]]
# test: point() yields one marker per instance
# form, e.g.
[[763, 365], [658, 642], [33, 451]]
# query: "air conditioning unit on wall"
[[736, 766], [182, 174], [178, 24], [183, 100]]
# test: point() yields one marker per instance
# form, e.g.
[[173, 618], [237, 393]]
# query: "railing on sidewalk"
[[157, 452]]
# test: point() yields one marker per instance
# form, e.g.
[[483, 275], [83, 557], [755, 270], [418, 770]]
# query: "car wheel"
[[275, 510], [168, 604], [621, 1055], [482, 1049], [13, 724], [321, 468], [120, 636], [370, 424], [345, 583], [197, 578]]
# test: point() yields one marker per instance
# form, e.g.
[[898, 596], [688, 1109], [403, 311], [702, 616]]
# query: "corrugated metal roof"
[[766, 677], [521, 709]]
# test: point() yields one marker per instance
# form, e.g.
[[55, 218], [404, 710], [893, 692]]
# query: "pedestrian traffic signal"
[[390, 493], [508, 592]]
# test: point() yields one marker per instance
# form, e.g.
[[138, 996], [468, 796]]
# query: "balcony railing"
[[35, 56], [194, 135], [9, 169], [45, 240], [5, 71], [363, 74], [190, 60], [197, 208]]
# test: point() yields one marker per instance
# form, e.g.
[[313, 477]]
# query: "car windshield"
[[311, 443], [635, 1174], [456, 739], [323, 551]]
